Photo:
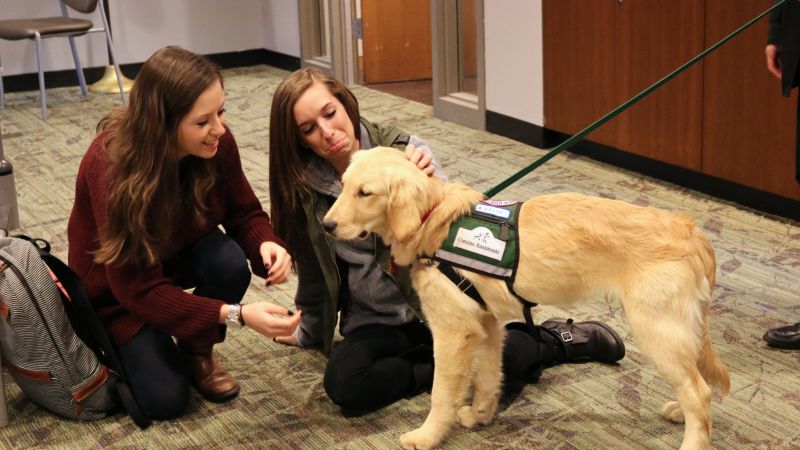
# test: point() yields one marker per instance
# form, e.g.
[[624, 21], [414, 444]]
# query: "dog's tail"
[[713, 370], [706, 254]]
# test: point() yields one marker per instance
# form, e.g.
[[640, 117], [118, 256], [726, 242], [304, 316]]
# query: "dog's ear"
[[404, 217]]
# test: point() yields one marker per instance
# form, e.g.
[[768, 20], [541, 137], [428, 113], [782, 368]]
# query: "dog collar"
[[427, 214]]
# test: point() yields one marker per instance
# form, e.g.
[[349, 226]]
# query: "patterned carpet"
[[282, 404]]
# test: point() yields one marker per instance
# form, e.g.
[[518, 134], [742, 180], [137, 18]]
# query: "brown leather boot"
[[208, 377]]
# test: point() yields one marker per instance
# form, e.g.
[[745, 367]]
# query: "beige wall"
[[142, 26], [513, 36]]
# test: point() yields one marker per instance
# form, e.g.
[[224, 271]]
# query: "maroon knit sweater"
[[127, 297]]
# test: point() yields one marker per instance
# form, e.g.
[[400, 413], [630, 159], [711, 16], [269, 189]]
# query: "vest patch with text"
[[485, 241]]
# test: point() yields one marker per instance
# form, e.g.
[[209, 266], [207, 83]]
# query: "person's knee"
[[165, 402], [230, 269], [343, 388]]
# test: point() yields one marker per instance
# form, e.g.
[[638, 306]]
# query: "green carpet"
[[283, 405]]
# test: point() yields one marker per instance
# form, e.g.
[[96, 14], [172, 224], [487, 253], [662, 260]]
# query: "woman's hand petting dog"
[[269, 319], [277, 262], [424, 161]]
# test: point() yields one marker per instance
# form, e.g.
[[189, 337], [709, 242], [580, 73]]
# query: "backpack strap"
[[80, 310]]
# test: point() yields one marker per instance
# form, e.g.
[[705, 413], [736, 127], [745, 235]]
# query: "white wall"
[[142, 26], [512, 34], [20, 56], [280, 25], [514, 75]]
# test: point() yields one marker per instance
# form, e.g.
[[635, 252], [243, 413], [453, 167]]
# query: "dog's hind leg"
[[487, 377], [694, 407], [453, 352], [671, 343]]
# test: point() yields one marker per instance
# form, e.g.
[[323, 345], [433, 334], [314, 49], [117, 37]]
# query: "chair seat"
[[16, 29]]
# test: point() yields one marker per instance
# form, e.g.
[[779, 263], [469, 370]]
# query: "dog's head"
[[382, 193]]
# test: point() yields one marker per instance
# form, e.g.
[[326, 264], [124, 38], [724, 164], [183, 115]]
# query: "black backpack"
[[52, 342]]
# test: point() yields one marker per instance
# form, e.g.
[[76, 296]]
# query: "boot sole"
[[784, 345], [220, 398]]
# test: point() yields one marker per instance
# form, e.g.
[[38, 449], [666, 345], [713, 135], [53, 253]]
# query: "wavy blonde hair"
[[151, 188]]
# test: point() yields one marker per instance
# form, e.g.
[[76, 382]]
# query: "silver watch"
[[234, 319]]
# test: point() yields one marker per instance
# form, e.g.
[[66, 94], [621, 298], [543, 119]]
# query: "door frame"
[[448, 103], [339, 58]]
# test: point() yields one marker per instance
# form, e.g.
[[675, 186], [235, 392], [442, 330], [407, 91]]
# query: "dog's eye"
[[363, 193]]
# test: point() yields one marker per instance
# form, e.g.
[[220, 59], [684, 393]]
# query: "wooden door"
[[749, 127], [654, 38], [396, 40], [579, 46], [599, 53]]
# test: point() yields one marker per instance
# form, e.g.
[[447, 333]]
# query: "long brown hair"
[[288, 153], [150, 188]]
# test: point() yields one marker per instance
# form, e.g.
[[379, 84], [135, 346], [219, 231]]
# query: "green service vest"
[[484, 241]]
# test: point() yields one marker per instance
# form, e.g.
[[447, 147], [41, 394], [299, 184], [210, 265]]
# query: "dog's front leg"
[[487, 377], [453, 352]]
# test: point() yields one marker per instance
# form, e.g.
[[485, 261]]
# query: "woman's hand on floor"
[[286, 340]]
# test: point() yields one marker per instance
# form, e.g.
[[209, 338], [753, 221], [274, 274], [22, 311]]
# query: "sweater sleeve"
[[310, 297], [153, 298], [145, 292], [245, 220]]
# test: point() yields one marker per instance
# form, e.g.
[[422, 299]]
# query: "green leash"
[[581, 134]]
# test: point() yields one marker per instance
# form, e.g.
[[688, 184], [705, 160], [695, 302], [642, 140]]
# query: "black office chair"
[[60, 26]]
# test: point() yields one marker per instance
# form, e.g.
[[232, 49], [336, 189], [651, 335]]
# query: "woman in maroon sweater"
[[152, 190]]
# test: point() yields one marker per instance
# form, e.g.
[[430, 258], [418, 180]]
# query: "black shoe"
[[586, 341], [784, 337]]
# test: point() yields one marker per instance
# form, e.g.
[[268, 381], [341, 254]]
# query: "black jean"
[[797, 144], [217, 267], [376, 365]]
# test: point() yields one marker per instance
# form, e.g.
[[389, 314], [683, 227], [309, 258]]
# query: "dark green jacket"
[[319, 281]]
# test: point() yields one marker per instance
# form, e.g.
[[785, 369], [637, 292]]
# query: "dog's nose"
[[329, 225]]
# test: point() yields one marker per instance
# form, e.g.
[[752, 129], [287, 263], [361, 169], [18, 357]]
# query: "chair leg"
[[42, 98], [110, 44], [2, 93], [3, 406], [118, 72], [78, 67]]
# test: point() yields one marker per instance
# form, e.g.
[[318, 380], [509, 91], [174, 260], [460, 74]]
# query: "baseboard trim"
[[226, 60], [515, 129], [727, 190]]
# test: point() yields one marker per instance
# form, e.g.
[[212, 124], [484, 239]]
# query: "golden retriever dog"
[[572, 247]]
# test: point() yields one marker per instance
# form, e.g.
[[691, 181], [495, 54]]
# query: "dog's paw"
[[418, 439], [672, 411], [468, 417]]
